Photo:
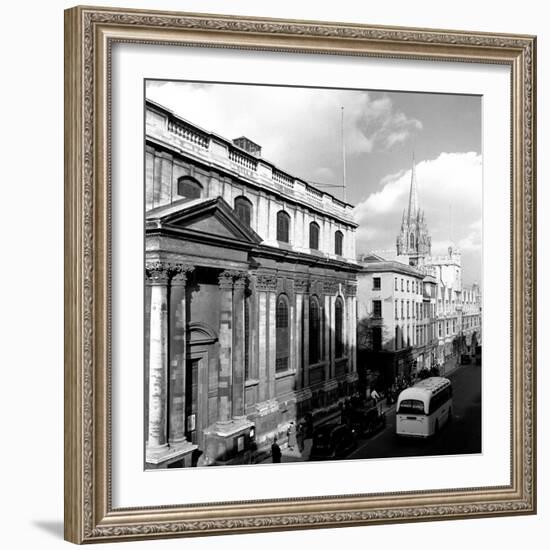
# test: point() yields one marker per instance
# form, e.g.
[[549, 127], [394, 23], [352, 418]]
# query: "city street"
[[462, 436]]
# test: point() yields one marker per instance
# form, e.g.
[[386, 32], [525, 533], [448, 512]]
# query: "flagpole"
[[343, 158]]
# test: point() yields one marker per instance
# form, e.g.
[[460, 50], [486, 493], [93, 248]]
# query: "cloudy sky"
[[299, 130]]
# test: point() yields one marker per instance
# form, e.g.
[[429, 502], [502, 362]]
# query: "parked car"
[[331, 442]]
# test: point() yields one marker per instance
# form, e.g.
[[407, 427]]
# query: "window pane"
[[282, 335], [243, 210], [314, 331], [338, 328], [411, 406], [283, 224], [313, 236], [338, 242]]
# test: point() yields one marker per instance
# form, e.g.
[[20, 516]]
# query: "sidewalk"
[[290, 454]]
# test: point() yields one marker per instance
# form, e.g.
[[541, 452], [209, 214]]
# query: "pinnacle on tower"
[[413, 239], [413, 196]]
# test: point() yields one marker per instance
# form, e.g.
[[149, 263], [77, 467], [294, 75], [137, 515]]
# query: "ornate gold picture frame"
[[90, 34]]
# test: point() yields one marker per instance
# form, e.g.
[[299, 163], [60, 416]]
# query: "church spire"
[[414, 240], [413, 195]]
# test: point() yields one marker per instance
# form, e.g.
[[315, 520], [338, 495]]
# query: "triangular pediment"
[[212, 218]]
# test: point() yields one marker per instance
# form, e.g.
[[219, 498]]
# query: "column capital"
[[240, 282], [230, 277], [302, 285], [266, 281], [330, 287], [351, 290], [180, 272], [159, 272]]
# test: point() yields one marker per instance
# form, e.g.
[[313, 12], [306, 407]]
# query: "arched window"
[[338, 243], [314, 331], [243, 210], [412, 240], [339, 327], [282, 335], [314, 236], [283, 226], [189, 188]]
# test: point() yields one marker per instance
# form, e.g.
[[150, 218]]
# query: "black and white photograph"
[[313, 274]]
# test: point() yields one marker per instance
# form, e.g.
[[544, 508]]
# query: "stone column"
[[238, 345], [226, 343], [305, 342], [354, 332], [266, 284], [178, 364], [351, 313], [272, 341], [262, 345], [157, 277], [329, 329], [300, 287]]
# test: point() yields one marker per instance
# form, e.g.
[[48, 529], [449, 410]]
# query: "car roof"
[[327, 428]]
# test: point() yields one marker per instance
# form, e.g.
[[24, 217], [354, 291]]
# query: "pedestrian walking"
[[275, 452], [376, 398]]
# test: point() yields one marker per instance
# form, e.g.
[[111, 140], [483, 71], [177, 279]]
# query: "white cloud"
[[449, 192], [297, 127]]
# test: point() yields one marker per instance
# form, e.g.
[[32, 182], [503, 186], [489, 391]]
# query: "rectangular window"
[[377, 308], [440, 329], [396, 311], [402, 285], [408, 287], [402, 310], [396, 339], [396, 283], [376, 338], [408, 311], [376, 283]]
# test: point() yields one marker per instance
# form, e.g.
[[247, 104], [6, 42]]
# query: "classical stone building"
[[250, 318], [413, 310]]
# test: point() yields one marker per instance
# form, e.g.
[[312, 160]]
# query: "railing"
[[283, 179], [189, 133], [314, 194], [243, 159], [197, 137]]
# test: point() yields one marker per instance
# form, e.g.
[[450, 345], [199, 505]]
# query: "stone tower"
[[413, 239]]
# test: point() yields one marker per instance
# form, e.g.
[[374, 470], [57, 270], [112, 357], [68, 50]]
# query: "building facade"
[[250, 317], [390, 298], [432, 326]]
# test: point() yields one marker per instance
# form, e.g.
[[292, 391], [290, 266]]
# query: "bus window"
[[411, 406]]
